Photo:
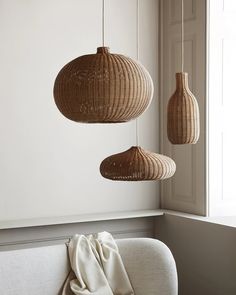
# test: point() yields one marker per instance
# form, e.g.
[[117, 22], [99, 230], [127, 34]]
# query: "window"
[[222, 106]]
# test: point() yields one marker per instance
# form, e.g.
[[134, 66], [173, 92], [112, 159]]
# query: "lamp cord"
[[103, 23], [137, 40], [137, 53], [182, 35]]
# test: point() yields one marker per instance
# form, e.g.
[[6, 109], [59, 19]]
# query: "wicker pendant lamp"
[[103, 87], [183, 126], [137, 164]]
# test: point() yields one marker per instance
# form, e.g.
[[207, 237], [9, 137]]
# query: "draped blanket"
[[97, 267]]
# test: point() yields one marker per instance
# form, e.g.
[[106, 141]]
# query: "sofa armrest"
[[150, 266]]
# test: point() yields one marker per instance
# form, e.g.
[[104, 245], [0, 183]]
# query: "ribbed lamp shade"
[[137, 164], [183, 125], [103, 88]]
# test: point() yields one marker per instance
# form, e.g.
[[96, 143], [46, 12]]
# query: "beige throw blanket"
[[97, 267]]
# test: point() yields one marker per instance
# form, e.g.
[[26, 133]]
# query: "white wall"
[[49, 166], [204, 252]]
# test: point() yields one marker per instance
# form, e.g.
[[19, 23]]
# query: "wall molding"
[[120, 227], [174, 18], [186, 191]]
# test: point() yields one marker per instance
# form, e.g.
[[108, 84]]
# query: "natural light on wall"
[[222, 105]]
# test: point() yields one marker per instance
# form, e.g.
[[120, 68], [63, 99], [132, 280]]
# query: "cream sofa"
[[42, 271]]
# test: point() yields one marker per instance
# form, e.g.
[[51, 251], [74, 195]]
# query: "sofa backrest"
[[35, 271], [43, 271]]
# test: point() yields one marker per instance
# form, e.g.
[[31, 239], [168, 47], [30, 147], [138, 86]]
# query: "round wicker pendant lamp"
[[103, 87], [183, 121], [137, 164]]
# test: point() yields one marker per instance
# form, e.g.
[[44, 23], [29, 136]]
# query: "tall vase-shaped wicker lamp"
[[103, 87], [183, 126], [137, 164]]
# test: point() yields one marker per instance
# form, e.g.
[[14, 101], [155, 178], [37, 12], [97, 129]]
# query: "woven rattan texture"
[[137, 164], [183, 125], [103, 88]]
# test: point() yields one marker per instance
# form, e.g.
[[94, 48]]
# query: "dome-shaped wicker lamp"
[[137, 164], [183, 126], [183, 114], [103, 88]]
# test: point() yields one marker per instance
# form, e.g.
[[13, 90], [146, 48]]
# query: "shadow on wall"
[[205, 254]]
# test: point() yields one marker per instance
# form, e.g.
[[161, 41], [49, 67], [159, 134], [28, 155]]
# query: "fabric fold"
[[97, 267]]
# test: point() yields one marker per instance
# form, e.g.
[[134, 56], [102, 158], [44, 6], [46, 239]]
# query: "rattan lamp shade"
[[103, 88], [137, 164], [183, 125]]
